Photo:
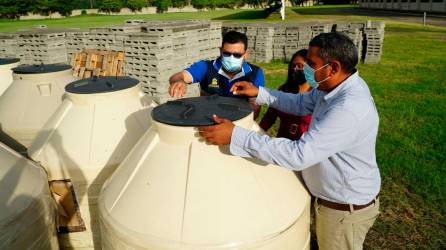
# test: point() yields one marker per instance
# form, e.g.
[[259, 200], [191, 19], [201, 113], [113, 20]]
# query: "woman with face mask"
[[291, 126]]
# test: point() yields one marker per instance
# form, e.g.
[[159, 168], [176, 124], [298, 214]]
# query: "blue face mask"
[[309, 75], [231, 64]]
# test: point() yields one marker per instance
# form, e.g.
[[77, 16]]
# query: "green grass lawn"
[[409, 87]]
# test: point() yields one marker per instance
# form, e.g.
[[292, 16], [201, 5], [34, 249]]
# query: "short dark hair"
[[235, 37], [336, 46], [302, 53]]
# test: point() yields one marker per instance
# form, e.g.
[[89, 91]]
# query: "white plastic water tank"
[[33, 96], [174, 191], [27, 210], [95, 127], [6, 64]]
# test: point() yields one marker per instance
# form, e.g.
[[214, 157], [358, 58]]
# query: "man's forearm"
[[255, 107], [296, 104], [177, 77], [279, 151]]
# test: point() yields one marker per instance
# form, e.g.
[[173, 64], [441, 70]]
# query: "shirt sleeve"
[[259, 81], [304, 123], [334, 133], [268, 119], [295, 104], [197, 71]]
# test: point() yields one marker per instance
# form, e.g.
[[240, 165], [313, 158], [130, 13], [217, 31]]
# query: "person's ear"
[[335, 67], [246, 55]]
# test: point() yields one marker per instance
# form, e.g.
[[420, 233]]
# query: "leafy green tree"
[[151, 2], [257, 3], [179, 3], [42, 7], [210, 4], [109, 6], [17, 8], [135, 5], [9, 9], [163, 5], [84, 4], [200, 4], [64, 7], [228, 3]]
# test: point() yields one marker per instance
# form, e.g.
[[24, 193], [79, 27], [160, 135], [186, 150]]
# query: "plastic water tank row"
[[168, 189], [76, 129], [6, 65]]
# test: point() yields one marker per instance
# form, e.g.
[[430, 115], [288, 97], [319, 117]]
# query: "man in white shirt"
[[336, 155]]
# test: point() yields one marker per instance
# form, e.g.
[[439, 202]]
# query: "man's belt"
[[343, 207]]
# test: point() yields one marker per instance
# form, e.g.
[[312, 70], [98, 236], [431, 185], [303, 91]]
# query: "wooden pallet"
[[91, 62]]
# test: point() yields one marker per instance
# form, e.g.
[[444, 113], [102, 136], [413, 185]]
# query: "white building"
[[438, 6]]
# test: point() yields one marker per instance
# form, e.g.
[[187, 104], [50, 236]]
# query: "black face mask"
[[299, 77]]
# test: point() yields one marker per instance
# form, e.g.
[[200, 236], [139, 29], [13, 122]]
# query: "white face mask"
[[309, 75]]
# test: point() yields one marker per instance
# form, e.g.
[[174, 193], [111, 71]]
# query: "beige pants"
[[343, 230]]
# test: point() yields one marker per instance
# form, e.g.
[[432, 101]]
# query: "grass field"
[[409, 87]]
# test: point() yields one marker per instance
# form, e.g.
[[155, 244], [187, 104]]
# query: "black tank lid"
[[4, 61], [41, 68], [104, 84], [198, 111]]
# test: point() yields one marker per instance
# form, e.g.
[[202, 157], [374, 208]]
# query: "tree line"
[[17, 8]]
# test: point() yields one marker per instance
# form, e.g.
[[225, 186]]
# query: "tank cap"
[[40, 68], [104, 84], [4, 61], [198, 111]]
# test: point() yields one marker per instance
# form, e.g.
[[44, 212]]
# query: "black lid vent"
[[4, 61], [41, 68], [198, 111], [104, 84]]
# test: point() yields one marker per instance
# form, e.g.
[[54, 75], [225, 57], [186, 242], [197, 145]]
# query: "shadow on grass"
[[244, 15], [328, 11], [411, 29]]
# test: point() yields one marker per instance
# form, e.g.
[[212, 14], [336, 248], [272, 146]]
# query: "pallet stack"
[[76, 41], [297, 37], [260, 39], [272, 41], [42, 46], [262, 51], [354, 31], [374, 36], [165, 47], [91, 63], [8, 45]]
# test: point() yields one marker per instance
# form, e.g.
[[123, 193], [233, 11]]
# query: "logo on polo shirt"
[[214, 84]]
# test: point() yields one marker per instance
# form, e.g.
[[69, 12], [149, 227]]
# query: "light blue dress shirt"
[[337, 153]]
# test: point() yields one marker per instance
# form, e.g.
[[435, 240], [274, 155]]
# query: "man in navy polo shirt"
[[217, 76]]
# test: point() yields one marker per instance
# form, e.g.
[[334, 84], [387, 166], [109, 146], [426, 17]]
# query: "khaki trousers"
[[343, 230]]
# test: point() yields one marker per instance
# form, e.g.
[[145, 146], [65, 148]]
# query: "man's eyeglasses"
[[236, 55]]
